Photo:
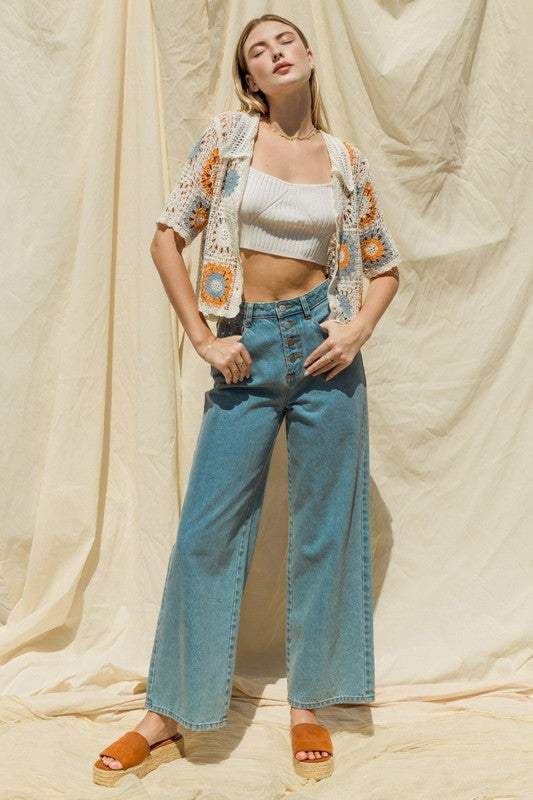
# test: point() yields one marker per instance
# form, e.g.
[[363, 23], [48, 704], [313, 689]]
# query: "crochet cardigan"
[[207, 195]]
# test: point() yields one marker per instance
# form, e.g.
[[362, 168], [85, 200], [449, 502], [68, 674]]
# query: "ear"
[[251, 83]]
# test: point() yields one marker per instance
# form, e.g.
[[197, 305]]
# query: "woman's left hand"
[[342, 345]]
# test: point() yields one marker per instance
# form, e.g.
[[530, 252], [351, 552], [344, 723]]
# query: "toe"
[[111, 762], [301, 755]]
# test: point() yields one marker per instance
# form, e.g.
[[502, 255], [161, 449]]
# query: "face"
[[269, 44]]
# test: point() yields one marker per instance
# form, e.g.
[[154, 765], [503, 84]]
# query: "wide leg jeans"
[[329, 625]]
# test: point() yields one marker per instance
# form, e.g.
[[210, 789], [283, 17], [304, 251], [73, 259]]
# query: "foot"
[[306, 715], [154, 727]]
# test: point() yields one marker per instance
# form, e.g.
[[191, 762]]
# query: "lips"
[[283, 64]]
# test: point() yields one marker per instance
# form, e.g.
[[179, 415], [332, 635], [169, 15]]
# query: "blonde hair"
[[256, 101]]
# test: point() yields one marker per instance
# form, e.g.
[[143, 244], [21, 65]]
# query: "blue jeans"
[[329, 626]]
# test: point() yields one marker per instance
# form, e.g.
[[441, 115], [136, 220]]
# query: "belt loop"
[[248, 313], [305, 306]]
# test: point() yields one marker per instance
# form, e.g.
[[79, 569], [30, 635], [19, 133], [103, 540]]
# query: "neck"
[[291, 113]]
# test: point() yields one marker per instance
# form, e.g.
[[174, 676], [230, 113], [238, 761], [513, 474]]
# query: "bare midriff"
[[268, 277]]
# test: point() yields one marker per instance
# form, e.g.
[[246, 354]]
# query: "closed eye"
[[259, 52]]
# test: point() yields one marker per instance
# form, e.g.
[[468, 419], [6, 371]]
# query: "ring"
[[240, 363], [328, 357]]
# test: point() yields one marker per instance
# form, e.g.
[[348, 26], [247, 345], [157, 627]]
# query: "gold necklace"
[[292, 138]]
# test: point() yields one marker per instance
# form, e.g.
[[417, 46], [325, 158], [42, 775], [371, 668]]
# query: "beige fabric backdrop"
[[102, 397]]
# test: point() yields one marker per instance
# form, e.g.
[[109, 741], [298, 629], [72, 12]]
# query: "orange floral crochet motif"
[[372, 249], [199, 218], [344, 258], [217, 283], [207, 171], [351, 151], [369, 198]]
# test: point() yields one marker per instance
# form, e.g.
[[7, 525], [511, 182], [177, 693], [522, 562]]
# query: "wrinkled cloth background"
[[102, 397]]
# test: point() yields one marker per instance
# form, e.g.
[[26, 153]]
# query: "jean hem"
[[195, 726], [353, 698]]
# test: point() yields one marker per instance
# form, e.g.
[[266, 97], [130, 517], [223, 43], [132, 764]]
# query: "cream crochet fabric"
[[207, 195]]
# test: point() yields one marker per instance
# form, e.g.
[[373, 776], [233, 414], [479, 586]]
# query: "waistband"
[[284, 308]]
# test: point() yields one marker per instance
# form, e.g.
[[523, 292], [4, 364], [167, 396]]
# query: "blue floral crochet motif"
[[195, 149], [231, 181], [215, 284], [344, 303]]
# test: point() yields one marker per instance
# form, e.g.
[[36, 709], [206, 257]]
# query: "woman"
[[290, 222]]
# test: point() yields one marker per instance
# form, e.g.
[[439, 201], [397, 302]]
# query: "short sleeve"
[[188, 206], [378, 249]]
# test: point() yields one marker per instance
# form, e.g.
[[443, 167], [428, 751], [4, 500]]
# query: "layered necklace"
[[292, 138]]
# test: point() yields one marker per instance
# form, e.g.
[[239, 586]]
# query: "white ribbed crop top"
[[287, 219]]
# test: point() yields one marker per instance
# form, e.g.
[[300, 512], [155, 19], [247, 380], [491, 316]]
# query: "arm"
[[380, 259], [379, 255], [379, 294], [166, 249], [228, 354], [185, 214]]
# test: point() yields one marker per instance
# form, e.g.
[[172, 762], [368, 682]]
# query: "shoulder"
[[352, 156], [223, 133], [228, 124], [233, 132], [343, 144], [222, 125], [229, 118]]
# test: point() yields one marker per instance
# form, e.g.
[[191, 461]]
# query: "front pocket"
[[319, 314], [232, 327], [229, 327]]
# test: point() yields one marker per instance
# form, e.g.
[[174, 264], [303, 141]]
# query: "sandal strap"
[[130, 749], [308, 736]]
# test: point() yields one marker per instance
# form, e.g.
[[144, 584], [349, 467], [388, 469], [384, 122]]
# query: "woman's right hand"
[[230, 357]]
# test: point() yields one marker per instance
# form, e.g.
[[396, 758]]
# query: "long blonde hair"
[[256, 101]]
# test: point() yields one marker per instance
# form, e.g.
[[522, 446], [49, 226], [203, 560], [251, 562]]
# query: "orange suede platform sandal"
[[136, 756], [311, 736]]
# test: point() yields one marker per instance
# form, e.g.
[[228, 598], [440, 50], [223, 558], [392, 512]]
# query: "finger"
[[315, 355], [241, 354], [238, 371], [327, 364], [313, 365], [319, 365], [242, 364], [323, 369], [334, 372], [247, 357]]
